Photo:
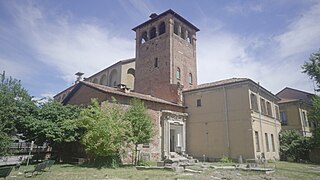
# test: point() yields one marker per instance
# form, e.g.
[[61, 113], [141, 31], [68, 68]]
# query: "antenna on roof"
[[79, 76]]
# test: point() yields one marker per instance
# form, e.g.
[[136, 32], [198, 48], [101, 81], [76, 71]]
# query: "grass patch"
[[284, 170]]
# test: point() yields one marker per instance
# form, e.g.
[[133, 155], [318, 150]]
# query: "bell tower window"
[[144, 37], [162, 28], [183, 33], [176, 28], [178, 73], [190, 78], [153, 33]]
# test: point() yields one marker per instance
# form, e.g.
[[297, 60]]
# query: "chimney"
[[79, 77], [153, 15], [123, 88]]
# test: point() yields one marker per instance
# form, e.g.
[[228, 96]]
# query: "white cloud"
[[303, 34], [67, 46], [137, 9], [243, 8], [275, 62], [15, 69]]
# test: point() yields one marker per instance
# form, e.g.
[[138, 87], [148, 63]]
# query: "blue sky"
[[44, 43]]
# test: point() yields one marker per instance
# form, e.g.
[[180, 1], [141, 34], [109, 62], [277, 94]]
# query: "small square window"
[[146, 145], [156, 62], [198, 102]]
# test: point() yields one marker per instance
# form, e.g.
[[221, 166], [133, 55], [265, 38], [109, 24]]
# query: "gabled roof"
[[125, 61], [222, 82], [68, 89], [170, 11], [229, 82], [111, 90], [295, 94]]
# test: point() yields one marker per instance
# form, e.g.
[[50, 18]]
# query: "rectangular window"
[[256, 135], [145, 145], [263, 106], [283, 118], [269, 110], [304, 119], [267, 141], [272, 142], [198, 102], [254, 102]]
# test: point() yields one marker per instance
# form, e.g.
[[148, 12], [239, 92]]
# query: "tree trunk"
[[135, 154]]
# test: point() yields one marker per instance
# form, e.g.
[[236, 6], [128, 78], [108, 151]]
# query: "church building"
[[208, 120]]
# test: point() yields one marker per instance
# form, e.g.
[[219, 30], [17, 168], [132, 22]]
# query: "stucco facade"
[[294, 107], [210, 120], [223, 122]]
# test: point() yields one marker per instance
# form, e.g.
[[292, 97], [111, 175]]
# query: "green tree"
[[5, 141], [314, 112], [141, 124], [16, 105], [294, 146], [312, 67], [54, 124], [105, 130]]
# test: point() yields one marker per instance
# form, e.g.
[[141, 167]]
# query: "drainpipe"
[[302, 120], [226, 118], [275, 126], [260, 119]]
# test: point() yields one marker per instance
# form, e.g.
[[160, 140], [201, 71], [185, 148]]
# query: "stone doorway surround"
[[173, 122]]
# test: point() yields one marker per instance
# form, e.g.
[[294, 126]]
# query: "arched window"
[[113, 78], [144, 37], [183, 33], [189, 37], [162, 28], [104, 80], [95, 80], [178, 73], [131, 71], [190, 78], [176, 28], [153, 33]]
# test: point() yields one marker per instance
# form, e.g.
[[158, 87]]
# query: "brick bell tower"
[[165, 56]]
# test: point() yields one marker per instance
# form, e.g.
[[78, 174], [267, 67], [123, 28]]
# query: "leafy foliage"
[[312, 67], [15, 104], [5, 142], [293, 145], [314, 112], [105, 130], [140, 123]]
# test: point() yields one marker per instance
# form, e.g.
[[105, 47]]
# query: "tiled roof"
[[230, 81], [170, 11], [222, 82], [295, 94], [128, 94], [66, 90]]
